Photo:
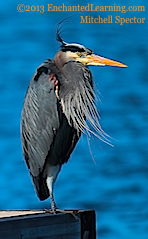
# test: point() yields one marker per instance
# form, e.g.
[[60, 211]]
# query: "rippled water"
[[116, 186]]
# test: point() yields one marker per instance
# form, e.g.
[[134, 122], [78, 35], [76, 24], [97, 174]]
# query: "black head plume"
[[74, 47], [58, 31]]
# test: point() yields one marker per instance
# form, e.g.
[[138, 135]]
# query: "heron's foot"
[[56, 210], [72, 212], [50, 211], [53, 211]]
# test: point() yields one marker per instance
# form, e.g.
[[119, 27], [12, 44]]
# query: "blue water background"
[[116, 184]]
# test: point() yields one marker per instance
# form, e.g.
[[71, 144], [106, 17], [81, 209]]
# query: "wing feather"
[[39, 121]]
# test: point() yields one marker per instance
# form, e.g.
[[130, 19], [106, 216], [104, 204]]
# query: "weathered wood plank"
[[43, 225], [11, 213], [88, 224]]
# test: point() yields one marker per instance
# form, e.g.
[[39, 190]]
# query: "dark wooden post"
[[44, 225]]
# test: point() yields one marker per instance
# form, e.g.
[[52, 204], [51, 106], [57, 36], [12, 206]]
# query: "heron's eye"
[[80, 55]]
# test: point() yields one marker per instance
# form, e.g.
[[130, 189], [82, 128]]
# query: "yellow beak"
[[102, 61], [93, 59]]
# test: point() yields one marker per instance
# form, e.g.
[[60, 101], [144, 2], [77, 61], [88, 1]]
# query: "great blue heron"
[[59, 99]]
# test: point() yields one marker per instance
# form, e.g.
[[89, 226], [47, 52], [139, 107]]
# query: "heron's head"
[[79, 53]]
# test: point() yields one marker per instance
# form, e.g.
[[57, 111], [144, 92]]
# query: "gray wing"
[[39, 120]]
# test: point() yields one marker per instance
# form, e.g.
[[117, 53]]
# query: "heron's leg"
[[53, 206], [50, 187], [52, 172]]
